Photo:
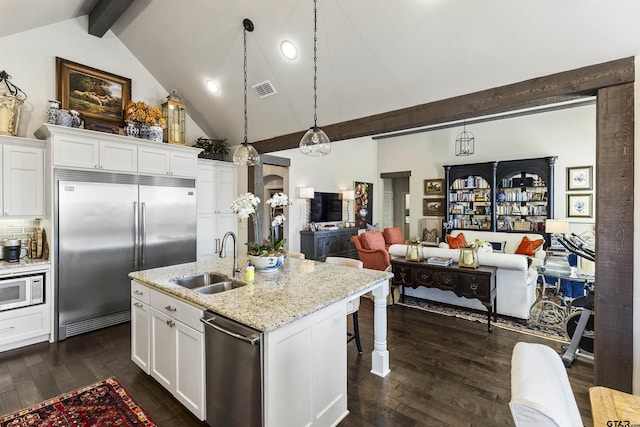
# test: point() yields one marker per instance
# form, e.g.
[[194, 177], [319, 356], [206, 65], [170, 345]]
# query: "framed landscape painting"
[[580, 178], [433, 187], [433, 207], [93, 93]]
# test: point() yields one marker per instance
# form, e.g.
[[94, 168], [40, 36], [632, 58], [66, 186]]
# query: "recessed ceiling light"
[[213, 86], [289, 50]]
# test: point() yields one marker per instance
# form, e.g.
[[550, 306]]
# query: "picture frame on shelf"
[[96, 94], [433, 187], [579, 205], [433, 206], [579, 178]]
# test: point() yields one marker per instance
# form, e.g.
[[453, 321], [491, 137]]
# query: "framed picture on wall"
[[363, 202], [433, 207], [433, 187], [579, 205], [580, 178], [93, 93]]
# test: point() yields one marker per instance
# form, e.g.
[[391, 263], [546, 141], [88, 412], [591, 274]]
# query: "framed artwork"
[[579, 205], [363, 203], [433, 187], [93, 93], [433, 207], [580, 178]]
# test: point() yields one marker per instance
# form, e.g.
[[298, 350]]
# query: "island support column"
[[380, 354]]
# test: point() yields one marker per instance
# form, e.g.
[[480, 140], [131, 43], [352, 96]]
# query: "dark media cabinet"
[[318, 245]]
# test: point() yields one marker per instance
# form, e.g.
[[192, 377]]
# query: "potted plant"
[[214, 149]]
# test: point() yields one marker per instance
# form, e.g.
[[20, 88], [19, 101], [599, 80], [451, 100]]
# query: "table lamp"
[[306, 193], [556, 228]]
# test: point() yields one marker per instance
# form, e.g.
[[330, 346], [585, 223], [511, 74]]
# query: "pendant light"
[[315, 142], [245, 154], [465, 142]]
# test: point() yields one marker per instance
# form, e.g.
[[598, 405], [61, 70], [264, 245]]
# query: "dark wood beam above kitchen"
[[545, 90], [105, 14]]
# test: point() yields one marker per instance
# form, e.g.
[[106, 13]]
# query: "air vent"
[[264, 89]]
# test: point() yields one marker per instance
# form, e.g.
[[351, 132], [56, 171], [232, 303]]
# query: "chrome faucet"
[[222, 254]]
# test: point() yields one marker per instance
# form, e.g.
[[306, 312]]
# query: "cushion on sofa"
[[457, 241], [372, 240], [392, 236], [528, 247], [498, 246]]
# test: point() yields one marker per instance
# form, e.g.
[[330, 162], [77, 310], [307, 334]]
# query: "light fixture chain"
[[246, 126], [315, 63]]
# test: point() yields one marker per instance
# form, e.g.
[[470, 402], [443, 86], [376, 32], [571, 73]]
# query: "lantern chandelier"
[[465, 142], [245, 154], [315, 142]]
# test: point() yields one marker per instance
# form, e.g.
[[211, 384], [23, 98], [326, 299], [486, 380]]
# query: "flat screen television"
[[326, 207]]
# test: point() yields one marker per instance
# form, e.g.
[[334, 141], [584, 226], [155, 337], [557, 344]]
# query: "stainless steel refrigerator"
[[107, 226]]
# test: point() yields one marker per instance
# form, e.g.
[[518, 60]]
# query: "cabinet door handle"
[[7, 329], [137, 304], [137, 292], [95, 166], [169, 308], [171, 323]]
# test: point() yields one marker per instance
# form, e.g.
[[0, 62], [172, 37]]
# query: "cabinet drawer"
[[140, 292], [474, 286], [403, 276], [177, 309], [26, 323], [425, 277]]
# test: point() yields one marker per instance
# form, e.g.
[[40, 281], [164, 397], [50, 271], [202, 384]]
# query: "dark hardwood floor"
[[444, 372]]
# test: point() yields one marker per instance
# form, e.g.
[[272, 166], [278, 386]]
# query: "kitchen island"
[[300, 309]]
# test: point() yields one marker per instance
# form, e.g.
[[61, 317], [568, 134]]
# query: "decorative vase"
[[52, 112], [143, 131], [130, 129], [64, 118], [76, 120], [155, 133], [267, 264]]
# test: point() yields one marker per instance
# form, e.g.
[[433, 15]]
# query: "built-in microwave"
[[21, 291]]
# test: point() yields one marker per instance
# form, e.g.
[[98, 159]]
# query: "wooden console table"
[[470, 283]]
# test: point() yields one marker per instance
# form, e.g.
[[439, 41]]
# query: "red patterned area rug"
[[104, 404], [548, 326]]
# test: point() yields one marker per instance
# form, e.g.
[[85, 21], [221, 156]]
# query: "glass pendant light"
[[315, 142], [245, 154]]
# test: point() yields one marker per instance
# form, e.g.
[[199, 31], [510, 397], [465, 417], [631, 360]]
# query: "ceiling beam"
[[549, 89], [104, 14]]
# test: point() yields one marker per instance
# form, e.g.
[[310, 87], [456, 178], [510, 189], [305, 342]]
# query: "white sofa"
[[515, 279]]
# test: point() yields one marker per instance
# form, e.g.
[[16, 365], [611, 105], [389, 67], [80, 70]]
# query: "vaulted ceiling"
[[374, 56]]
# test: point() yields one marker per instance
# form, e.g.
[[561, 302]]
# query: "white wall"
[[30, 58], [349, 161], [569, 134]]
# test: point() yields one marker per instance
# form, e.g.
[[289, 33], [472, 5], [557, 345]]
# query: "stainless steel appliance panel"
[[234, 372], [168, 226], [95, 249]]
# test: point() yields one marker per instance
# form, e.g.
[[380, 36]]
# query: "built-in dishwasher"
[[233, 371]]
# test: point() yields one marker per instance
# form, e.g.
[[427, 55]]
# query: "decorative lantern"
[[11, 99], [414, 252], [468, 257], [174, 115]]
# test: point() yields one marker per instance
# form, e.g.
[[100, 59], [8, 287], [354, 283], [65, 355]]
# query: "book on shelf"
[[438, 260]]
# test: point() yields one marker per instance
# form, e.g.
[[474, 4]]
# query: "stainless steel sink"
[[218, 287], [200, 280]]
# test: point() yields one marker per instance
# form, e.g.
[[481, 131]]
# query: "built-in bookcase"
[[511, 196]]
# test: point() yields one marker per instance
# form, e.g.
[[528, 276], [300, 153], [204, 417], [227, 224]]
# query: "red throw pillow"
[[372, 240], [456, 242], [529, 247]]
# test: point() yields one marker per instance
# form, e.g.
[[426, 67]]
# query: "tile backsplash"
[[17, 228]]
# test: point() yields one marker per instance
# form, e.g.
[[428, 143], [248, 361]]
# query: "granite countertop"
[[298, 288], [6, 266]]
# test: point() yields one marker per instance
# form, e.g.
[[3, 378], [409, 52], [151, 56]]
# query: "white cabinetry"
[[22, 178], [29, 325], [140, 317], [216, 186], [174, 345], [166, 161], [85, 149], [306, 362]]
